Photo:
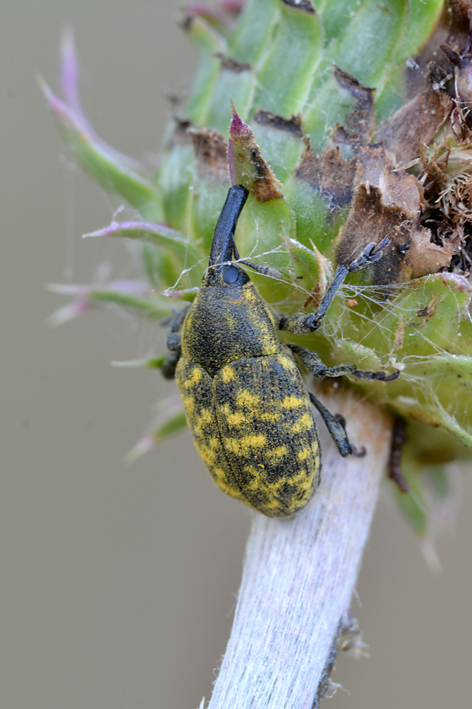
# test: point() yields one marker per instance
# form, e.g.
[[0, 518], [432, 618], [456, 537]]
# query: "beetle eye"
[[231, 274]]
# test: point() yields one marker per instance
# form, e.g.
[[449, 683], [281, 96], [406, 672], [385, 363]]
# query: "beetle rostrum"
[[244, 393]]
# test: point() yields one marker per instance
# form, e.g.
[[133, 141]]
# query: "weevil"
[[243, 389]]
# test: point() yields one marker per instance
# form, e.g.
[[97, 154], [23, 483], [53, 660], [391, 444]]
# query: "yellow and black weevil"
[[244, 393]]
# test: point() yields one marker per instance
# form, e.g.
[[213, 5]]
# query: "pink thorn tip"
[[62, 111], [70, 110], [238, 128], [68, 312], [106, 231], [240, 134], [233, 6], [201, 9], [54, 102], [141, 448], [430, 555], [69, 70]]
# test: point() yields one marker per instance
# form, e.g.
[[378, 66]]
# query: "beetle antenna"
[[265, 270], [235, 249]]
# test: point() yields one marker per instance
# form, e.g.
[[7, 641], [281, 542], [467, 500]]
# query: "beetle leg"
[[174, 343], [177, 319], [169, 364], [356, 452], [316, 367], [336, 428], [301, 324], [175, 323]]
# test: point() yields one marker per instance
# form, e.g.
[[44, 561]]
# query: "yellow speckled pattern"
[[273, 451], [261, 448], [201, 417]]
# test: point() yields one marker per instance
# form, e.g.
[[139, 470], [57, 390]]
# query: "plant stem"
[[299, 576]]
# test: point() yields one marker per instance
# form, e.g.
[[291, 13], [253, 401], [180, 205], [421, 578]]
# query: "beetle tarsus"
[[335, 426], [377, 376], [371, 254]]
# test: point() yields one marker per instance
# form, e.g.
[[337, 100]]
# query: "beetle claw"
[[358, 452]]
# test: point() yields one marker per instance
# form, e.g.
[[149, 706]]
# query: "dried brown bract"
[[330, 174], [418, 121], [360, 123], [389, 202], [211, 152], [291, 125]]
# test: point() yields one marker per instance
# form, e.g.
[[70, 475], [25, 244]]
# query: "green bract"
[[341, 141]]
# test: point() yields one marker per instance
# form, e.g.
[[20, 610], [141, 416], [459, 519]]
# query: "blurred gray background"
[[118, 582]]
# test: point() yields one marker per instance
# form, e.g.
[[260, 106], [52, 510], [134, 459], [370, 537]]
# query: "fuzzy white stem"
[[299, 576]]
